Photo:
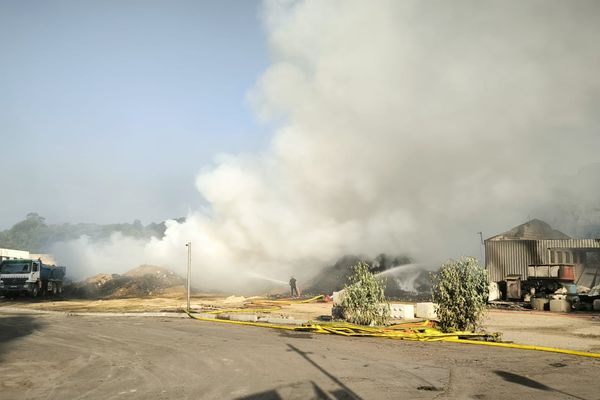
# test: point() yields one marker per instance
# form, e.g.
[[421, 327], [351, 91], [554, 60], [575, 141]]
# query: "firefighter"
[[293, 287]]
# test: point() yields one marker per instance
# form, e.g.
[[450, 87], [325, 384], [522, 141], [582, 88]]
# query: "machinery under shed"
[[534, 260]]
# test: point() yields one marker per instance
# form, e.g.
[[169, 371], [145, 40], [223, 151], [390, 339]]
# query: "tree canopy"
[[35, 235]]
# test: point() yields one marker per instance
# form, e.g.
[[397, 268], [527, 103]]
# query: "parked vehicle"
[[31, 277]]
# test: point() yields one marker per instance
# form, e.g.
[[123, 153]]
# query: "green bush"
[[460, 289], [363, 301]]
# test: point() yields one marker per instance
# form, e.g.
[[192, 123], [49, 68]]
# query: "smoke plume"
[[403, 127]]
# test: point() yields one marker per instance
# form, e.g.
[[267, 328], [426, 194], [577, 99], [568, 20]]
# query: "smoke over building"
[[399, 130]]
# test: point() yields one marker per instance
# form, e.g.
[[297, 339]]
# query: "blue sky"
[[108, 109]]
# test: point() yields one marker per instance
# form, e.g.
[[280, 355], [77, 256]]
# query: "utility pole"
[[189, 272], [481, 246]]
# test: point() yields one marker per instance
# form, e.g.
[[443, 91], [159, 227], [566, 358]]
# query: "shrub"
[[460, 289], [363, 300]]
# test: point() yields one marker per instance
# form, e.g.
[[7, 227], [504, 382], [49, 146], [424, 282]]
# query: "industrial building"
[[536, 243], [10, 254]]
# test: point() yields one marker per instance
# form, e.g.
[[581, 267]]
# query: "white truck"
[[32, 277]]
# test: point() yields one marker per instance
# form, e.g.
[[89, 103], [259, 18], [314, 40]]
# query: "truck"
[[31, 277]]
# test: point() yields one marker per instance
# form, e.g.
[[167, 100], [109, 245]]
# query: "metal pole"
[[481, 246], [189, 272]]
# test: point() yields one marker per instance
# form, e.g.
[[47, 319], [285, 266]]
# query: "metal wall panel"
[[506, 257]]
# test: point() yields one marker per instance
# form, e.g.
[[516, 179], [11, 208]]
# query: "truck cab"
[[30, 277]]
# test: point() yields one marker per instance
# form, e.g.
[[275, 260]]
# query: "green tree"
[[460, 289], [364, 300], [30, 234], [35, 235]]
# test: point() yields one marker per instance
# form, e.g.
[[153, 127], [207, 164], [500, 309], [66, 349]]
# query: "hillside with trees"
[[35, 235]]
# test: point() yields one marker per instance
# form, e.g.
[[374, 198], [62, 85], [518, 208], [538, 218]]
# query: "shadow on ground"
[[296, 335], [15, 327], [304, 390], [530, 383]]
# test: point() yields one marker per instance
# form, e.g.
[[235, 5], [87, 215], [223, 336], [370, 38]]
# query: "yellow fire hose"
[[420, 331], [528, 347], [275, 305]]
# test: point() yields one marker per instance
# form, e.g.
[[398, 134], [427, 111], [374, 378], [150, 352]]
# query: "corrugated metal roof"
[[535, 229], [572, 244]]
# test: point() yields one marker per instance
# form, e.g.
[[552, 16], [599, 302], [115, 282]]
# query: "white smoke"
[[404, 127], [85, 257]]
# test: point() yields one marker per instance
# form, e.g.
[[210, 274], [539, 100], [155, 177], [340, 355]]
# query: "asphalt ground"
[[93, 357]]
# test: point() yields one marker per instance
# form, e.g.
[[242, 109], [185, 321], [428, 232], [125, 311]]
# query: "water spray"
[[266, 278], [395, 270]]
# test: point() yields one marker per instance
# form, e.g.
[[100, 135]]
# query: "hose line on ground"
[[415, 331]]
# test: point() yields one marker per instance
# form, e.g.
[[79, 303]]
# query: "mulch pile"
[[145, 280]]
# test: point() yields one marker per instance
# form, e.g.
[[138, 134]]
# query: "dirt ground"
[[64, 356], [570, 331], [576, 331]]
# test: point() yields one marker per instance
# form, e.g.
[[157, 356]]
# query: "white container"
[[540, 304], [494, 291], [560, 305], [402, 311], [426, 310], [338, 297]]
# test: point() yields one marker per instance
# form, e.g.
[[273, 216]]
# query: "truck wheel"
[[35, 291]]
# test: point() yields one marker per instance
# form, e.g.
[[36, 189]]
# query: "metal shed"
[[535, 242]]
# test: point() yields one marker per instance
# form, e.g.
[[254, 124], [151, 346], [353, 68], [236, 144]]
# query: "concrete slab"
[[426, 310], [338, 297], [283, 321], [243, 317], [402, 311]]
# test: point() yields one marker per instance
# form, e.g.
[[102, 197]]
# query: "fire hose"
[[267, 304], [419, 331]]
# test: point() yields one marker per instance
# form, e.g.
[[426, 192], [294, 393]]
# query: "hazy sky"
[[109, 109], [404, 127]]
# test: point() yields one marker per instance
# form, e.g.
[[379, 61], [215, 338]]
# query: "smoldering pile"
[[145, 280], [404, 280]]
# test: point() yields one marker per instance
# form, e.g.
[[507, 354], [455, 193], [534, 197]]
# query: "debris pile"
[[404, 281], [145, 280]]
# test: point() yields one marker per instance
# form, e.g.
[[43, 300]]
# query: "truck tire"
[[35, 291]]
